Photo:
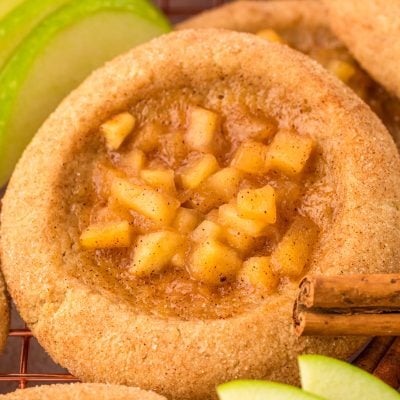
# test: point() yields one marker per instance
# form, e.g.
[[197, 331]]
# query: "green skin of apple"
[[7, 6], [20, 21], [262, 390], [21, 114], [338, 380]]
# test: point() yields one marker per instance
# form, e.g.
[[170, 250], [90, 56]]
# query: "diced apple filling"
[[289, 152], [197, 170], [159, 178], [107, 235], [294, 250], [240, 241], [148, 137], [186, 220], [229, 217], [157, 206], [270, 35], [213, 263], [203, 126], [154, 251], [257, 272], [224, 184], [251, 157], [229, 213], [134, 161], [116, 130], [206, 230], [257, 204]]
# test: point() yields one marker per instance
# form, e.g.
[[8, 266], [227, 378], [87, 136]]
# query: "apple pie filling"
[[320, 44], [201, 212]]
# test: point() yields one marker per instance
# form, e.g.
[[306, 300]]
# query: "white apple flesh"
[[261, 390], [338, 380], [59, 53]]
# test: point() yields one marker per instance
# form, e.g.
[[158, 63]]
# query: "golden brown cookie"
[[370, 29], [91, 319], [305, 27], [81, 391]]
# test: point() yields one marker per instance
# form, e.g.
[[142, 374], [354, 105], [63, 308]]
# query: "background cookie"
[[371, 30], [80, 391], [304, 25]]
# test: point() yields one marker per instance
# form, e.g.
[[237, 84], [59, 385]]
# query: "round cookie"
[[82, 391], [371, 30], [85, 320], [305, 27]]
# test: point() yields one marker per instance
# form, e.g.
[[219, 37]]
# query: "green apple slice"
[[59, 53], [261, 390], [338, 380], [20, 21], [7, 6]]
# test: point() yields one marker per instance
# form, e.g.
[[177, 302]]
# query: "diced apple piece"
[[294, 250], [148, 137], [197, 170], [107, 236], [178, 260], [257, 272], [157, 206], [186, 220], [342, 69], [116, 129], [270, 35], [154, 251], [251, 157], [213, 263], [257, 204], [206, 230], [229, 217], [289, 152], [239, 240], [160, 178], [224, 183], [134, 161], [203, 126]]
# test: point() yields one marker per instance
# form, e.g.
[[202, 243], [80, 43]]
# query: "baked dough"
[[86, 324], [81, 391], [371, 30], [308, 20]]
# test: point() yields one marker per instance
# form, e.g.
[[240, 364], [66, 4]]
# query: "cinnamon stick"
[[365, 305], [373, 291], [325, 324], [388, 368], [372, 354]]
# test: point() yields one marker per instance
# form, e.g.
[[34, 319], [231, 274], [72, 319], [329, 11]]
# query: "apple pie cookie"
[[156, 228], [304, 26]]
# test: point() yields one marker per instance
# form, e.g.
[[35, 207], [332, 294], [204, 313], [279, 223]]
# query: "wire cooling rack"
[[381, 356]]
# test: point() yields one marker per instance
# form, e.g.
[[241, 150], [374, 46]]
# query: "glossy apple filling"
[[199, 209], [320, 44]]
